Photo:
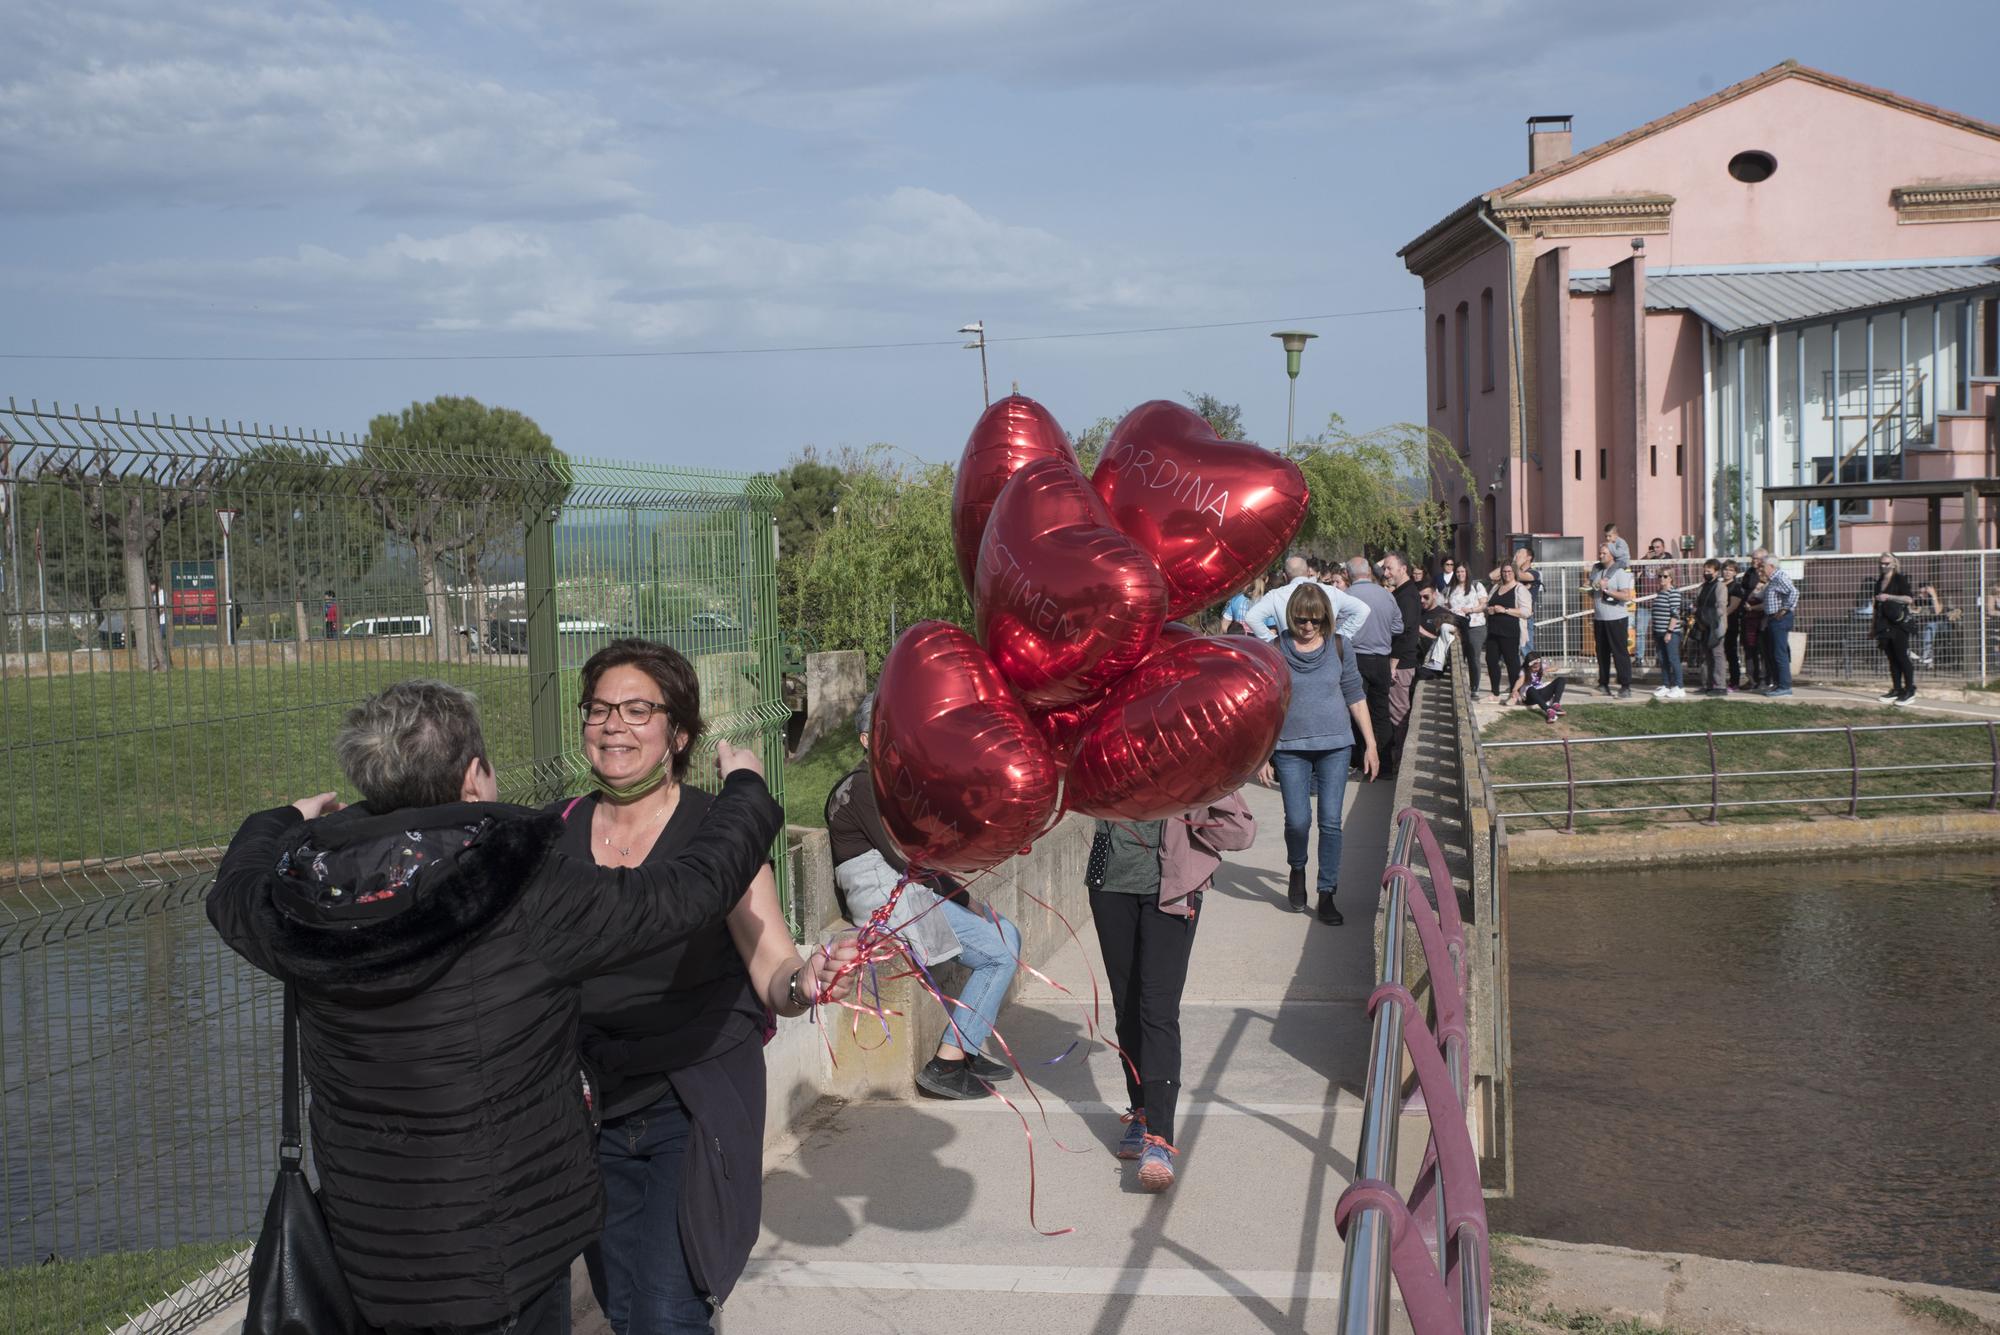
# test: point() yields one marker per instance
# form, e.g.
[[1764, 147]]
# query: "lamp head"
[[1295, 343]]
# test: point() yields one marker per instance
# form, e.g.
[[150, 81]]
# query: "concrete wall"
[[836, 683], [1471, 402], [803, 1069]]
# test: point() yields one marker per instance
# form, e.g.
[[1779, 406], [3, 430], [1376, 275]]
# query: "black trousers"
[[1377, 672], [1895, 642], [1545, 697], [547, 1313], [1504, 651], [1612, 651], [1146, 963]]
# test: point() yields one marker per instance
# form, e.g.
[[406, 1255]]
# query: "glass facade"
[[1842, 400]]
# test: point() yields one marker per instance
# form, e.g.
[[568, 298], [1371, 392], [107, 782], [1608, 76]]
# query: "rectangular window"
[[1486, 333], [1655, 460], [1438, 355], [1680, 460], [1579, 465], [1603, 464]]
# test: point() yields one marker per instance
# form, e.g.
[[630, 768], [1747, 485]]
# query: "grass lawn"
[[62, 1297], [116, 764], [811, 777], [1652, 754]]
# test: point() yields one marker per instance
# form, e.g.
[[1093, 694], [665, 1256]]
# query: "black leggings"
[[1503, 651], [1545, 695], [1895, 642], [1146, 963]]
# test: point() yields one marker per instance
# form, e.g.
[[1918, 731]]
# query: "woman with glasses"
[[1328, 711], [673, 1045], [1508, 610], [1892, 603]]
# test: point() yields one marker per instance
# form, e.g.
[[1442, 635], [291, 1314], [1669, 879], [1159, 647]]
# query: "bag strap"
[[571, 807], [289, 1147]]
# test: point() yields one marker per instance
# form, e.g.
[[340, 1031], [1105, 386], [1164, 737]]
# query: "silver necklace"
[[626, 851]]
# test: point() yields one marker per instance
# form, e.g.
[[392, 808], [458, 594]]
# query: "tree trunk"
[[142, 632], [435, 601], [477, 578], [299, 619]]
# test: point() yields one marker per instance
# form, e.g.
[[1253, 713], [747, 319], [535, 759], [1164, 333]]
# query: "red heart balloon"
[[1064, 602], [1062, 728], [1210, 512], [1185, 727], [1008, 436], [962, 778]]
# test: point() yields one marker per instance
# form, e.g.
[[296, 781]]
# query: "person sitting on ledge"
[[936, 919]]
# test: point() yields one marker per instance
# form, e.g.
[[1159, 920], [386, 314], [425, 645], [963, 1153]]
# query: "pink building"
[[1787, 288]]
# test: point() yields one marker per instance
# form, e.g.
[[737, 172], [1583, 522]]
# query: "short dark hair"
[[680, 688], [1611, 528], [1712, 564]]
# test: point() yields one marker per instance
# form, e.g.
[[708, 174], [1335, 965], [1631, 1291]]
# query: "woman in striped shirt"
[[1668, 625]]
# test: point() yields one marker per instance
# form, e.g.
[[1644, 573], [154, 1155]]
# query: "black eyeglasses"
[[638, 713]]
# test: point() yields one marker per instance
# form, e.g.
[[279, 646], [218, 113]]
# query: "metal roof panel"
[[1740, 300]]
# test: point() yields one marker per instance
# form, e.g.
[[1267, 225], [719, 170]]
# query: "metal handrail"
[[1852, 799], [1445, 1291]]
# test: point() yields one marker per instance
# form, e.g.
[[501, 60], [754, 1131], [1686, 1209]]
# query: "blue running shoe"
[[1133, 1142], [1156, 1165]]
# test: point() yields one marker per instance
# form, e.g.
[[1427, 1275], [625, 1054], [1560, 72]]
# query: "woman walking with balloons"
[[1328, 711]]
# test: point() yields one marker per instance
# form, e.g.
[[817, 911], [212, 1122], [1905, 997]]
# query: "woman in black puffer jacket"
[[438, 943]]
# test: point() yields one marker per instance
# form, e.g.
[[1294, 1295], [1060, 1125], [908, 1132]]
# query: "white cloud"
[[639, 279], [168, 101]]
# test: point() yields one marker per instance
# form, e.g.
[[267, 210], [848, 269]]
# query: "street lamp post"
[[1295, 344], [225, 611], [978, 330]]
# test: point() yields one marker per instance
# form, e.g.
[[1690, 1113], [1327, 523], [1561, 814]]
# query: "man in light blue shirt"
[[1781, 600], [1268, 613]]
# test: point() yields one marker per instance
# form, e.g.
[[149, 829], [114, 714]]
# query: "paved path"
[[913, 1216]]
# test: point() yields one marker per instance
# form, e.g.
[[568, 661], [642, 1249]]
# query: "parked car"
[[387, 627], [712, 621]]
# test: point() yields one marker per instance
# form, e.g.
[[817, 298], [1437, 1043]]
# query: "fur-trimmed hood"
[[372, 908]]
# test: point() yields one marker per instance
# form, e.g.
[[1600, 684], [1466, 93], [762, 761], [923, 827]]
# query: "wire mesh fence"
[[1954, 628], [188, 610]]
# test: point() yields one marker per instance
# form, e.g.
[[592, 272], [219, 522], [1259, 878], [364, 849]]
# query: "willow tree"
[[1376, 490]]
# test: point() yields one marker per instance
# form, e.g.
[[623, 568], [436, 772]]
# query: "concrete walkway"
[[913, 1216]]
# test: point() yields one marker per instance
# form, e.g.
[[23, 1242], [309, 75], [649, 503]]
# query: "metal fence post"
[[1984, 632], [1853, 777], [1993, 736], [1569, 776], [544, 650], [1714, 784]]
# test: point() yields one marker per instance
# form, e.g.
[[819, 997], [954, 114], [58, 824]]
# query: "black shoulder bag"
[[296, 1287]]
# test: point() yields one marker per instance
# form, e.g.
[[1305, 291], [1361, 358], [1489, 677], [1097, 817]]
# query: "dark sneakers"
[[949, 1080], [1328, 914], [1295, 892], [988, 1069]]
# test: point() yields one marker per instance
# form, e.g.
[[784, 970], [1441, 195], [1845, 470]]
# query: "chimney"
[[1548, 141]]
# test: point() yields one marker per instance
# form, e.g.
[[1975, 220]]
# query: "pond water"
[[1783, 1062]]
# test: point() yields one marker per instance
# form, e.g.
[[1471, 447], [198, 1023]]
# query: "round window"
[[1753, 166]]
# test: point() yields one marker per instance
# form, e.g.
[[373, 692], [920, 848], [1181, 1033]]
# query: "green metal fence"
[[296, 574]]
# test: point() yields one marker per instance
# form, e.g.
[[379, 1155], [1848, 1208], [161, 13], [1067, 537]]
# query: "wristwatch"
[[792, 990]]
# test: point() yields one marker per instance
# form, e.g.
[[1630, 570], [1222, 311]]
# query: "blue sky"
[[508, 177]]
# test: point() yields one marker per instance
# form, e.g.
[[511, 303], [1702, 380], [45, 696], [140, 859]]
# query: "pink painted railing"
[[1434, 1241]]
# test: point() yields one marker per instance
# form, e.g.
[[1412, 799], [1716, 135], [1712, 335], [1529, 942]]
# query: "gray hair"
[[1357, 568], [864, 714], [410, 745]]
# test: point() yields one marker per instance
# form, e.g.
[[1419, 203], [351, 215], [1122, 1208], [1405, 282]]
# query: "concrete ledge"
[[1701, 1294], [1551, 850]]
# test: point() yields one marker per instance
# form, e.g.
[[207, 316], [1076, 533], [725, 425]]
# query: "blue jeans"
[[1299, 772], [992, 954], [1640, 640], [637, 1266], [1669, 646], [1778, 635]]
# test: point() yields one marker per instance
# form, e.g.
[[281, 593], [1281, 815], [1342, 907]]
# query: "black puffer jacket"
[[437, 955]]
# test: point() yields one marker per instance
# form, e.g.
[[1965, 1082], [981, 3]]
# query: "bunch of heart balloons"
[[1076, 689]]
